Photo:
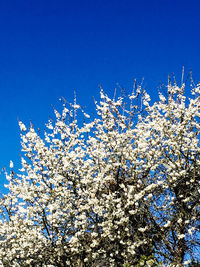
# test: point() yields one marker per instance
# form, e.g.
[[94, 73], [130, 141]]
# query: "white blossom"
[[11, 164], [121, 188]]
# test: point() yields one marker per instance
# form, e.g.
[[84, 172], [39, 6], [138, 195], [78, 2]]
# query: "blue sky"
[[48, 49]]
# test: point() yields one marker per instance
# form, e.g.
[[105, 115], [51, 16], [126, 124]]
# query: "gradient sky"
[[48, 49]]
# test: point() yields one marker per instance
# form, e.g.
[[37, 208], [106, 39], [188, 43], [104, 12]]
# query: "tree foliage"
[[121, 189]]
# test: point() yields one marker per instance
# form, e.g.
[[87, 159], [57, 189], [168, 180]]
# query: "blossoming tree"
[[121, 189]]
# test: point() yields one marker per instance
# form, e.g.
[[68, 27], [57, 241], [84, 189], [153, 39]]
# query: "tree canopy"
[[121, 188]]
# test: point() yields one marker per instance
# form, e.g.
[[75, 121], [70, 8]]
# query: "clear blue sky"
[[48, 49]]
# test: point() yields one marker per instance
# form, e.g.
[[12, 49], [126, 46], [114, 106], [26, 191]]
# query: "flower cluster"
[[117, 190]]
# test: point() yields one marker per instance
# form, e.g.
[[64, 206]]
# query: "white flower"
[[142, 229], [11, 164], [179, 221], [167, 224], [22, 126], [181, 236], [162, 98]]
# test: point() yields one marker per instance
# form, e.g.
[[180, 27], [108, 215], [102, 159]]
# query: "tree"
[[122, 189]]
